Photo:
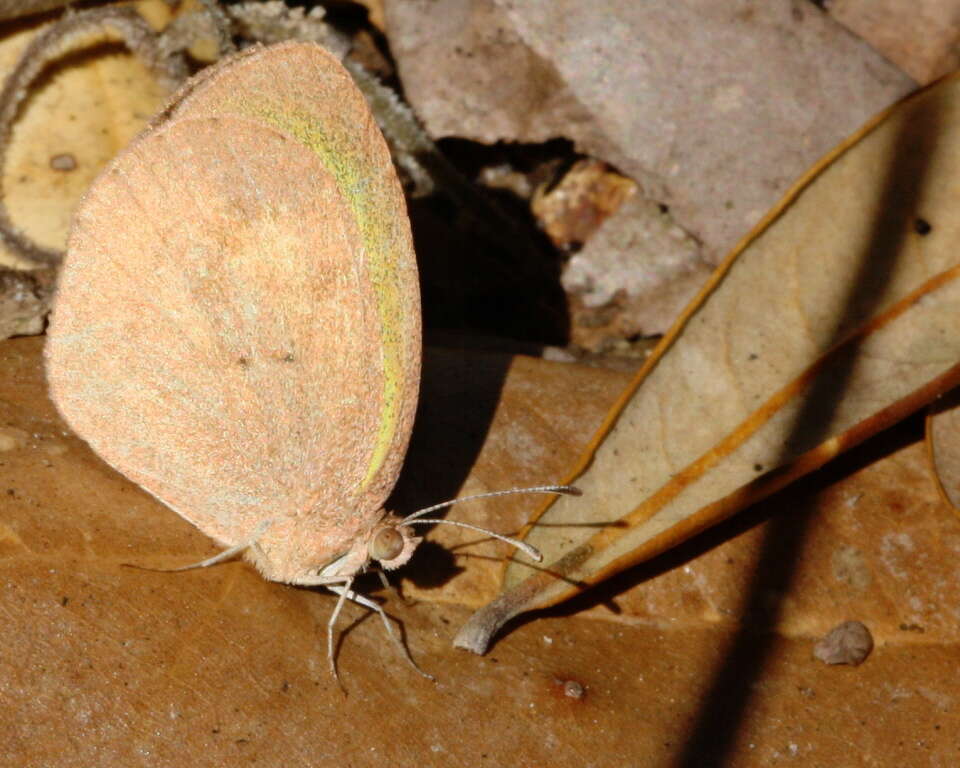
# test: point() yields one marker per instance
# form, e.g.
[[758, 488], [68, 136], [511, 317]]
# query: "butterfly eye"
[[387, 544]]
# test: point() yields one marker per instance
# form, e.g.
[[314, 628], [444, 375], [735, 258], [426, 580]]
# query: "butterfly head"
[[391, 542]]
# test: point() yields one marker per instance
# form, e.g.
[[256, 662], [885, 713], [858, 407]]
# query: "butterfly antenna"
[[417, 517]]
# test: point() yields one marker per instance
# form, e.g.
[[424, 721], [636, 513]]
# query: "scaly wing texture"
[[303, 91], [217, 337]]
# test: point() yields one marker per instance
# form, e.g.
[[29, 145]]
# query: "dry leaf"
[[839, 316], [111, 665], [713, 108], [920, 37], [484, 426], [943, 445], [86, 109]]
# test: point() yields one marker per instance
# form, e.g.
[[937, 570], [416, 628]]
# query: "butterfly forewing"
[[238, 332], [302, 91]]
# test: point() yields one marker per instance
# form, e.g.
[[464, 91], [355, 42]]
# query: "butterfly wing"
[[240, 334], [304, 92]]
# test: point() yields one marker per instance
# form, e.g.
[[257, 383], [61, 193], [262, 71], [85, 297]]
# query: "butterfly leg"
[[344, 592], [347, 594], [227, 554]]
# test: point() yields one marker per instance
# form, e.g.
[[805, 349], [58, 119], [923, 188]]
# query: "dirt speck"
[[63, 162], [847, 643]]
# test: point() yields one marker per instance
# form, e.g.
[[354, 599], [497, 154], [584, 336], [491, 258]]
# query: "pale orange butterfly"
[[237, 325]]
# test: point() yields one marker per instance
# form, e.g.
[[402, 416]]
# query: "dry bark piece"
[[375, 13], [847, 643], [631, 268], [812, 336]]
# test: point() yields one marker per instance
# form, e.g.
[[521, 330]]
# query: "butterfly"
[[237, 324]]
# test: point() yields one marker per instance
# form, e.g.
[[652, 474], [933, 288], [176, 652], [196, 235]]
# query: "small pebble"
[[847, 643], [573, 689]]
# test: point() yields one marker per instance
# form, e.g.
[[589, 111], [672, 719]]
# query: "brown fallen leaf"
[[943, 446], [87, 106], [110, 665], [834, 319], [475, 441]]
